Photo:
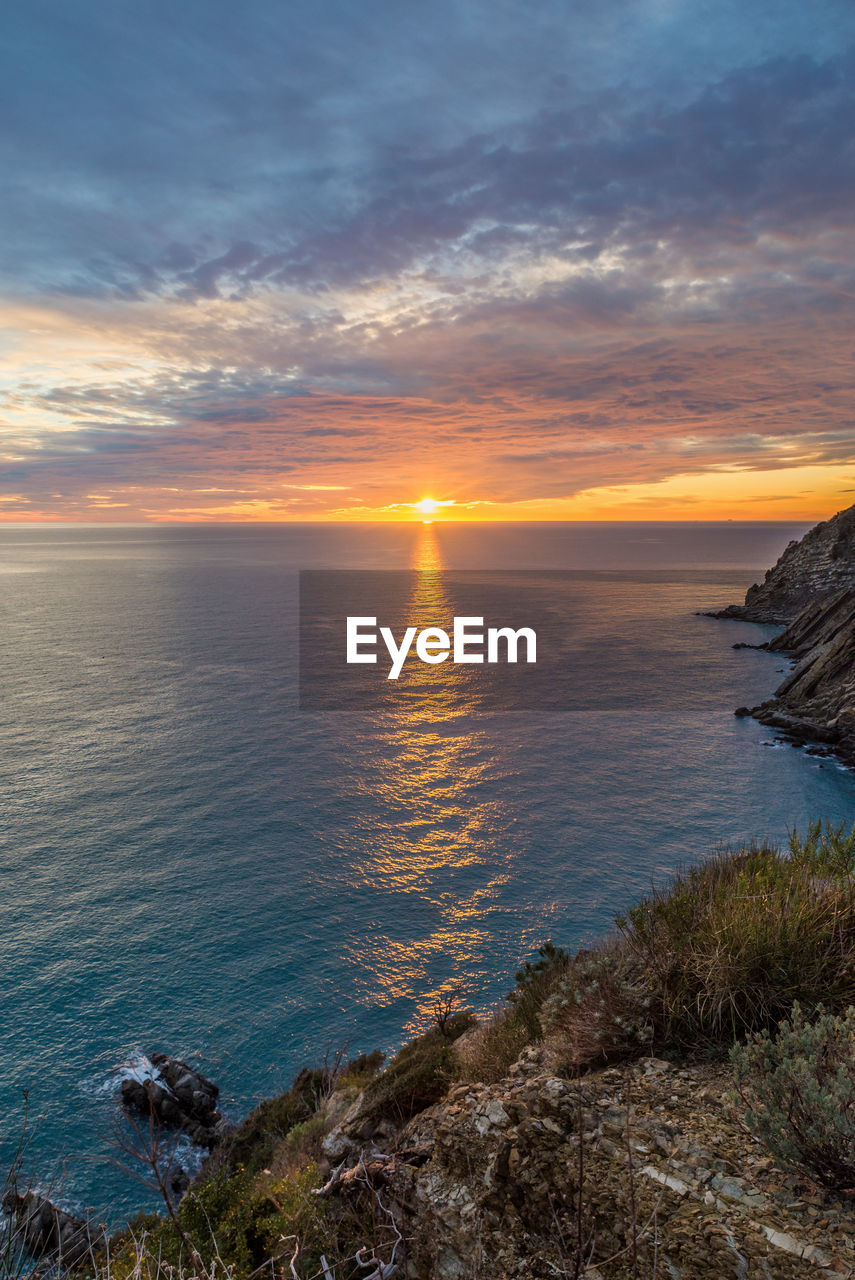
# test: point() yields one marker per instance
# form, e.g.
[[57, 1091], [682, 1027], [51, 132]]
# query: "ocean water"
[[191, 864]]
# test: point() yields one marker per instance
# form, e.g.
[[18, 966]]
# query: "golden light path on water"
[[438, 780]]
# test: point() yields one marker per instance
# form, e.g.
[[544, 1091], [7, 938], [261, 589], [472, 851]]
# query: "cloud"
[[507, 253]]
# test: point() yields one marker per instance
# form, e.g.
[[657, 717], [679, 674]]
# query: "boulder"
[[46, 1231], [177, 1097]]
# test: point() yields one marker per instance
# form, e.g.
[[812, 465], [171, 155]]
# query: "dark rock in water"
[[742, 712], [819, 564], [46, 1231], [179, 1098], [179, 1180]]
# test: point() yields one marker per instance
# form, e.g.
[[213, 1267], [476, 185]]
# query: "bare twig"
[[383, 1270], [445, 1006], [294, 1256], [332, 1068], [156, 1155]]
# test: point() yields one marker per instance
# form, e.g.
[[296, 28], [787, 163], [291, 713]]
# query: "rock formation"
[[177, 1097], [817, 565], [816, 702], [638, 1170], [812, 590], [43, 1230]]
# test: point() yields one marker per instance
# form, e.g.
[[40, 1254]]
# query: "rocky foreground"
[[646, 1164], [811, 591], [486, 1182]]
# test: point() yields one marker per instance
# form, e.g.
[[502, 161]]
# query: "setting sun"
[[430, 506]]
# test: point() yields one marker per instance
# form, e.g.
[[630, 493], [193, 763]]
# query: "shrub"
[[602, 1009], [231, 1212], [416, 1078], [303, 1145], [534, 981], [491, 1048], [243, 1225], [360, 1070], [729, 947], [798, 1087], [487, 1052], [255, 1140], [826, 850]]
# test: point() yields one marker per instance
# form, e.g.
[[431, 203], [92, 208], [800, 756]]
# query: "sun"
[[427, 508]]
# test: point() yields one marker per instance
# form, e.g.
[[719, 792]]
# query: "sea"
[[193, 864]]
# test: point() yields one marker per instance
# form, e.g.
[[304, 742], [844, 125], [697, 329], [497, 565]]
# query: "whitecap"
[[138, 1067]]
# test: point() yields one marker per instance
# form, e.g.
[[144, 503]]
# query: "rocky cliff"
[[812, 590], [816, 702], [817, 565], [637, 1171]]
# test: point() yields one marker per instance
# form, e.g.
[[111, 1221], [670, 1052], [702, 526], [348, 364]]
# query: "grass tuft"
[[730, 946]]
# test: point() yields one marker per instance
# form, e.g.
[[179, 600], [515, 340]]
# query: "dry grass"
[[722, 952], [485, 1053], [733, 944]]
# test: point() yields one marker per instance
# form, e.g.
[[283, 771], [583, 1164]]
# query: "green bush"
[[533, 983], [798, 1090], [136, 1249], [724, 951], [252, 1145], [730, 946], [231, 1212], [303, 1143], [249, 1224]]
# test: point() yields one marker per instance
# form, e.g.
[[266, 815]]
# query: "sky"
[[287, 260]]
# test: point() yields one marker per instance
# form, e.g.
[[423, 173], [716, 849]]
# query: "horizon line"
[[160, 524]]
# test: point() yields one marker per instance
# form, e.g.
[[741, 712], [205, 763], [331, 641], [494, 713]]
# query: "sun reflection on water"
[[439, 785]]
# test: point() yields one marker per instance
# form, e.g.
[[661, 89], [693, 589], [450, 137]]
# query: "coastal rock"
[[352, 1131], [817, 565], [177, 1097], [816, 701], [44, 1230], [338, 1146], [812, 588]]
